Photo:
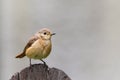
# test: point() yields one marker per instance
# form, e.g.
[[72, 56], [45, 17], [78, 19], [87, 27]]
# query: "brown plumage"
[[39, 46], [31, 41]]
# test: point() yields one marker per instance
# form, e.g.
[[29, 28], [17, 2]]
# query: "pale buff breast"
[[39, 49], [47, 50]]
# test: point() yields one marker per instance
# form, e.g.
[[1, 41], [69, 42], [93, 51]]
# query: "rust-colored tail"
[[21, 55]]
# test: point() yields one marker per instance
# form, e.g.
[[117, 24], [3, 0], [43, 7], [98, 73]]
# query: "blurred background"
[[87, 41]]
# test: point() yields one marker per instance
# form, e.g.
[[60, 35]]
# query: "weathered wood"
[[39, 72]]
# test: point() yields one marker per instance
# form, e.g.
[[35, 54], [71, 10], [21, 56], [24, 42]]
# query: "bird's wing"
[[31, 41]]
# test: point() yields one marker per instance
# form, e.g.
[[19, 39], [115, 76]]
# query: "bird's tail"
[[21, 55]]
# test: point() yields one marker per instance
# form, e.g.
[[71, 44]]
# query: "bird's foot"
[[30, 68], [45, 65]]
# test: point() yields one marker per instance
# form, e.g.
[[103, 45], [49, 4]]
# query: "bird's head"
[[45, 34]]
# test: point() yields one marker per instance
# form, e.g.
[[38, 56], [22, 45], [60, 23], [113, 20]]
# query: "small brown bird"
[[39, 46]]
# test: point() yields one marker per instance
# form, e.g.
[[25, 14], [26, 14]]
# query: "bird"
[[39, 46]]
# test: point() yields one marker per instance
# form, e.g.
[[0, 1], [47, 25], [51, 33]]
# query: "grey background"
[[87, 43]]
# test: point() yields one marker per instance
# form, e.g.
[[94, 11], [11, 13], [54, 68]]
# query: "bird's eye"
[[45, 33]]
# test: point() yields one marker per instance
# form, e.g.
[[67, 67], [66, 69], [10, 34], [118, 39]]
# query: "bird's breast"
[[39, 49]]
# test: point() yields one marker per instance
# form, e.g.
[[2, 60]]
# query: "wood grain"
[[40, 72]]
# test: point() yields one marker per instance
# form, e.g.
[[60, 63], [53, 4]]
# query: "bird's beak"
[[53, 34]]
